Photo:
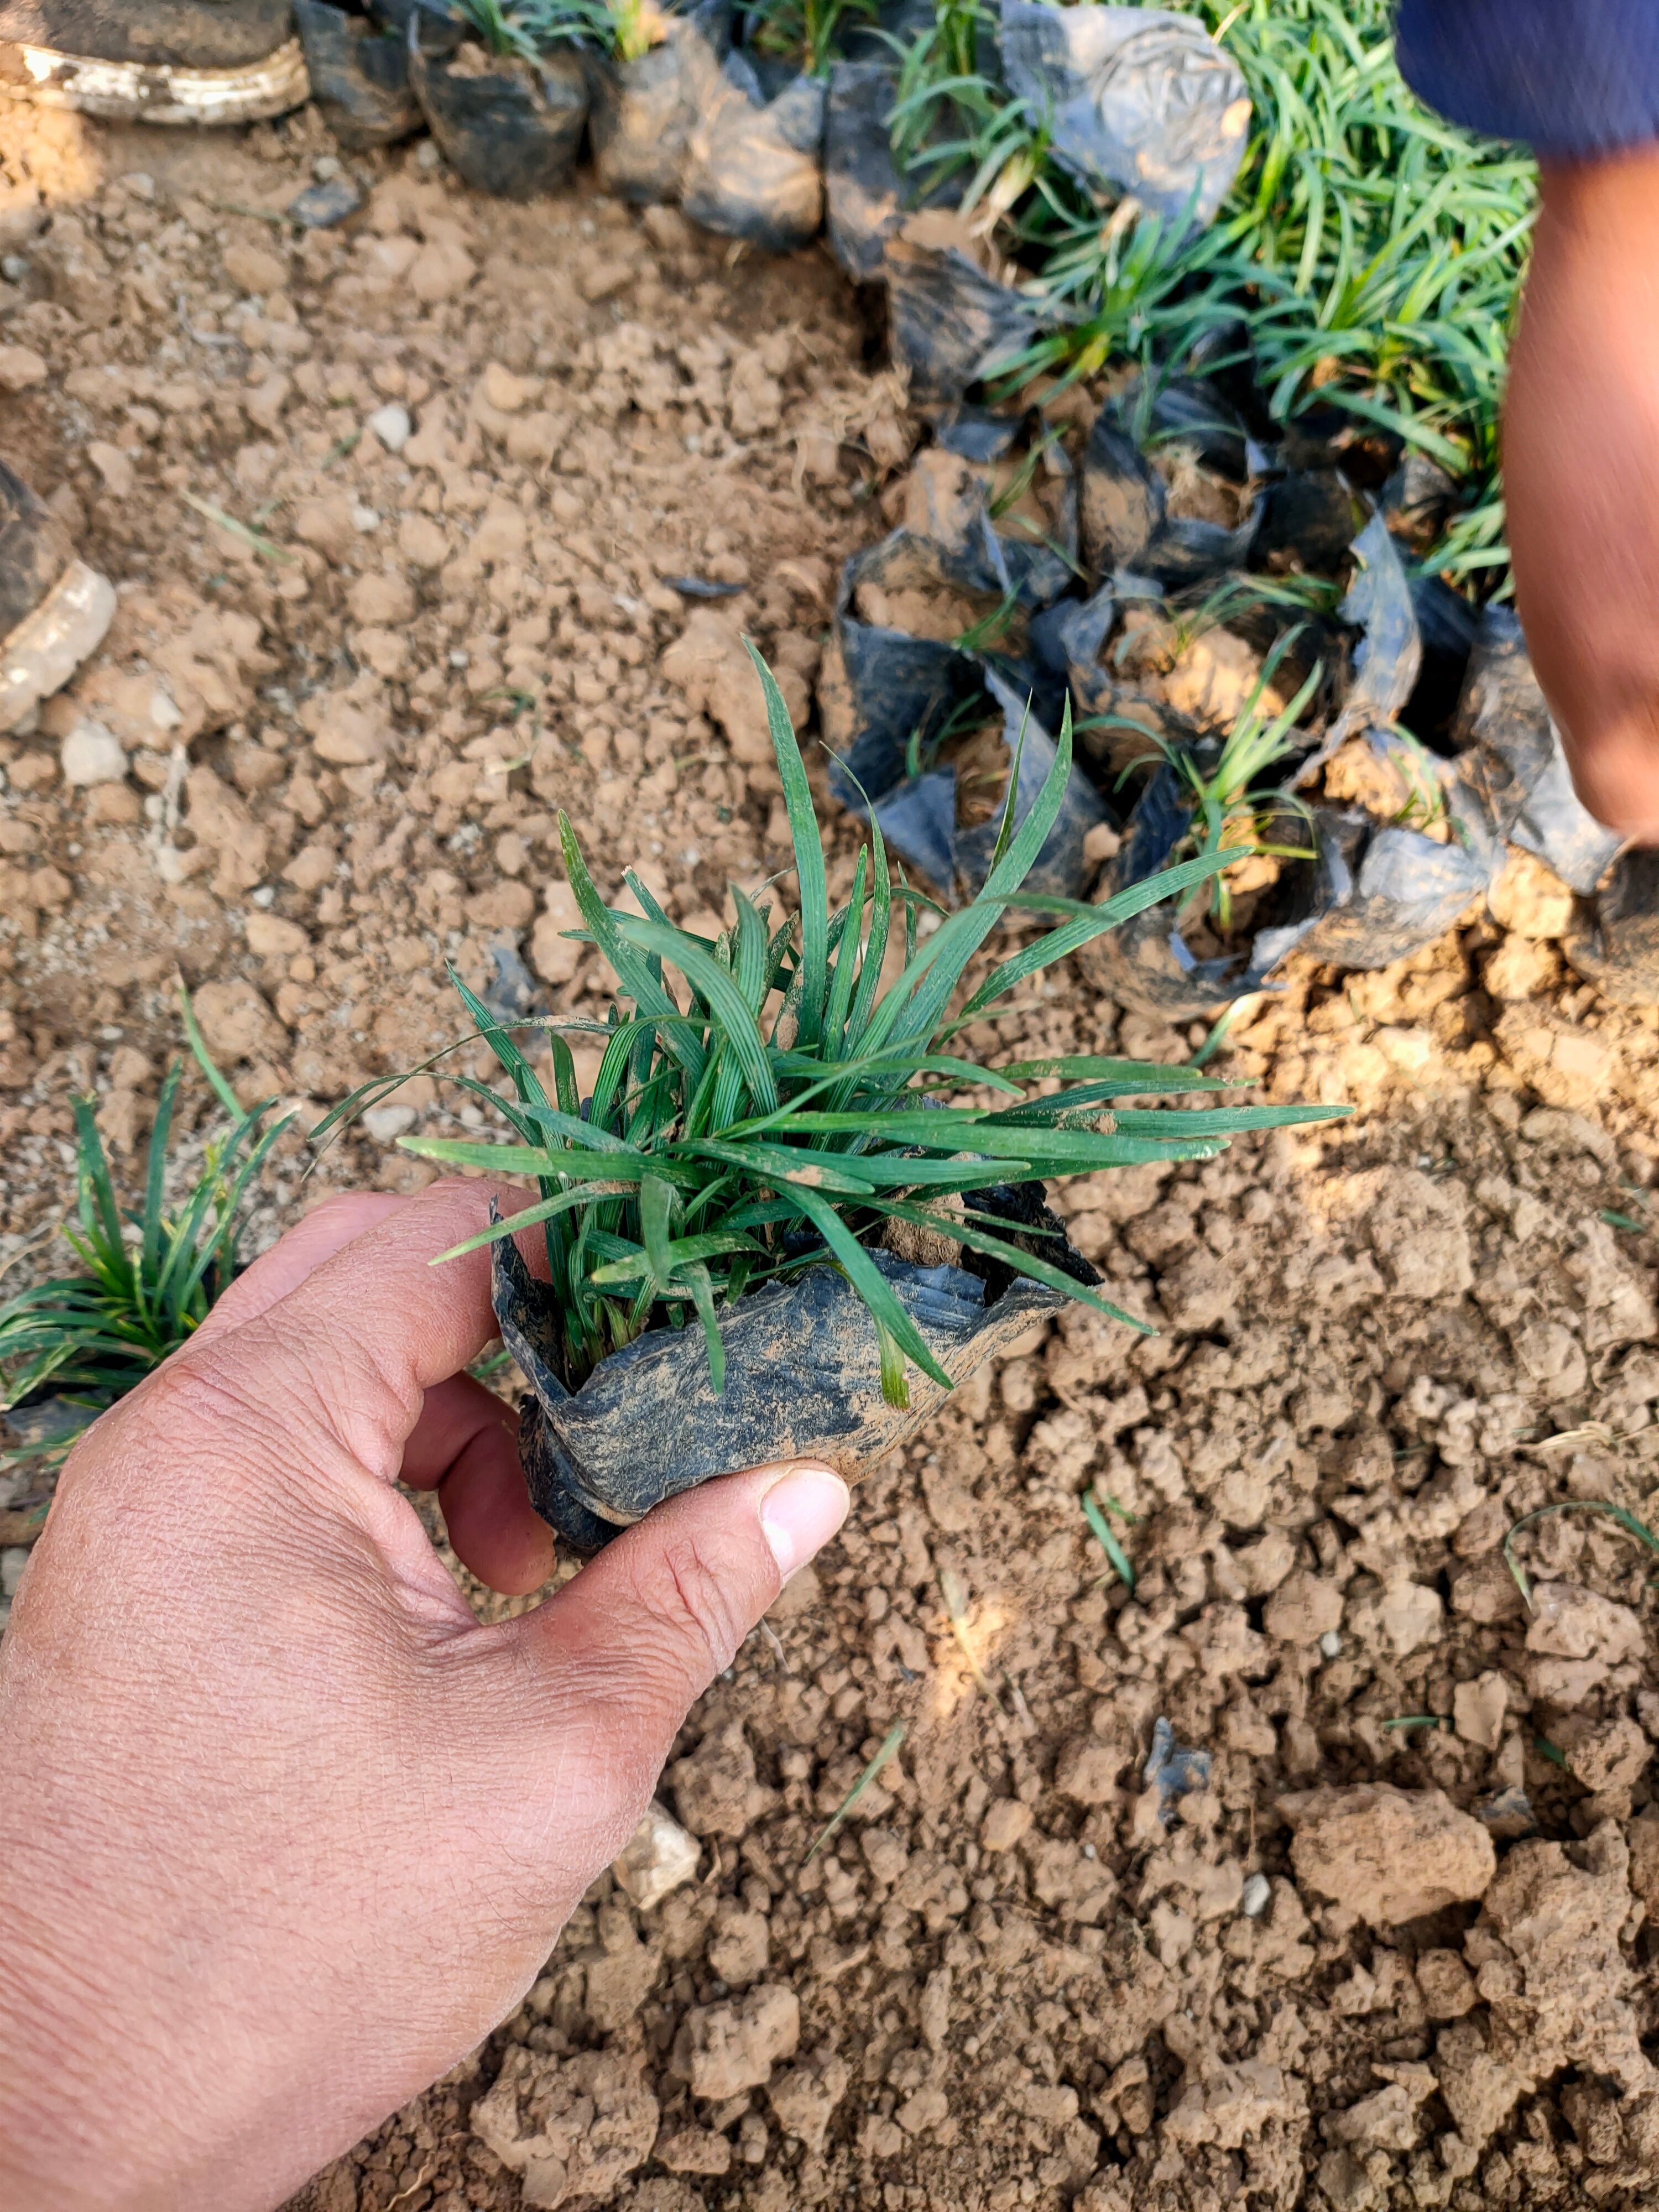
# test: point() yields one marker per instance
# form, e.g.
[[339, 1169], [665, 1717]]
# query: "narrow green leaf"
[[809, 854], [871, 1285], [722, 996]]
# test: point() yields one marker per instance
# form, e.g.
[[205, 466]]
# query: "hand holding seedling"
[[284, 1830], [1581, 455]]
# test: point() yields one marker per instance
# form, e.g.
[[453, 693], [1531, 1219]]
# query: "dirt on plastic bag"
[[803, 1378], [951, 325], [1511, 752], [881, 687], [641, 112], [1138, 100], [863, 193], [509, 127], [1146, 963], [753, 167], [1028, 558], [889, 697], [1127, 521], [359, 71]]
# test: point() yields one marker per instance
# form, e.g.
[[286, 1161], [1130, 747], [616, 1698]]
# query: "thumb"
[[645, 1626]]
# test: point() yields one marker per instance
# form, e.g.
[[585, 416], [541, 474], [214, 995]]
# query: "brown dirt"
[[1009, 1980]]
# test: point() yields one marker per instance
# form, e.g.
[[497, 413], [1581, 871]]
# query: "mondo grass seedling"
[[149, 1273], [522, 30], [1368, 258], [1232, 809], [808, 32], [763, 1105]]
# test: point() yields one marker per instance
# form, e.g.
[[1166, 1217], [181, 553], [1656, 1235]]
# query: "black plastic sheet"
[[514, 128], [1126, 523], [1405, 889], [1136, 99], [1512, 753], [864, 194], [803, 1380], [358, 72], [753, 166], [1146, 963], [950, 325]]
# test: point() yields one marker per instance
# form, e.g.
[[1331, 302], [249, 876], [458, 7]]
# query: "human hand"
[[1581, 472], [284, 1830]]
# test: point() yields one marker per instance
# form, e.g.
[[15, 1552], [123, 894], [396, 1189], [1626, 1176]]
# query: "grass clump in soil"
[[523, 29], [779, 1109], [149, 1273], [809, 33], [1368, 258]]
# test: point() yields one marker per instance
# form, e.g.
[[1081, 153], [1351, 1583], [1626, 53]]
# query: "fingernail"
[[801, 1513]]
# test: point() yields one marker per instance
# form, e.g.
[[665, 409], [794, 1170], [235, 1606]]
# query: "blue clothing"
[[1569, 77]]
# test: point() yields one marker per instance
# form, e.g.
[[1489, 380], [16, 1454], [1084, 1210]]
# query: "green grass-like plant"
[[1368, 258], [521, 30], [777, 1107], [806, 32], [150, 1273]]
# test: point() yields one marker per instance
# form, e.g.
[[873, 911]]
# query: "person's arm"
[[284, 1830], [1577, 80]]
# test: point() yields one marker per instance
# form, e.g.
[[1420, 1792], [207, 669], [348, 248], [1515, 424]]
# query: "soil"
[[1052, 1957]]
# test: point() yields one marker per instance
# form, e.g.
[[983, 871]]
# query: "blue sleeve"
[[1569, 77]]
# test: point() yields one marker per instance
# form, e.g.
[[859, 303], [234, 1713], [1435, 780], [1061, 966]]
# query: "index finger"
[[361, 1340]]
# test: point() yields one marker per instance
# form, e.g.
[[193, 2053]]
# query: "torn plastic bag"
[[1125, 520], [358, 75], [1405, 889], [1147, 964], [948, 501], [1511, 752], [950, 325], [1389, 653], [879, 688], [510, 127], [885, 698], [752, 166], [803, 1380], [1618, 950], [1136, 99], [863, 193]]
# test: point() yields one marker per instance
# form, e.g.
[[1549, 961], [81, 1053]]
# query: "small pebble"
[[1254, 1902], [13, 268], [391, 426], [91, 754], [384, 1123], [365, 519], [320, 206], [265, 896], [1331, 1644]]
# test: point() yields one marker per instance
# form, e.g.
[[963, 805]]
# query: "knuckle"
[[681, 1589]]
